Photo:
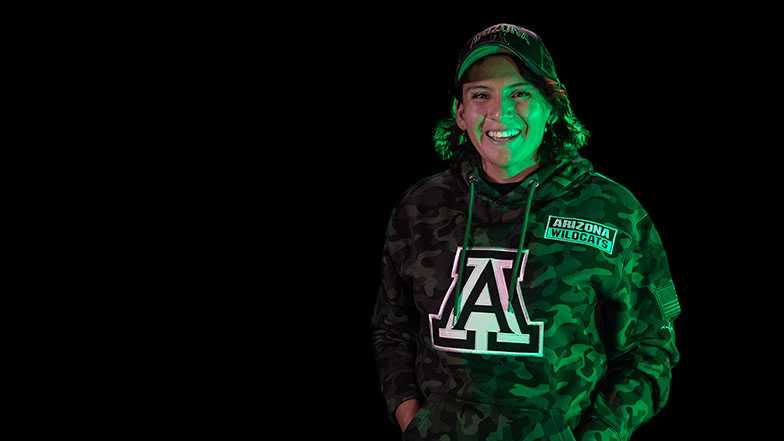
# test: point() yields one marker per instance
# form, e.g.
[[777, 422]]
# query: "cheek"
[[537, 110], [524, 109], [473, 119]]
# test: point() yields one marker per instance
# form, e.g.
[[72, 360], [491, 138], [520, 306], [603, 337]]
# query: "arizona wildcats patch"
[[584, 232]]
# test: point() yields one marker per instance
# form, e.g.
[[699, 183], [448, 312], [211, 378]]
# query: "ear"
[[457, 111]]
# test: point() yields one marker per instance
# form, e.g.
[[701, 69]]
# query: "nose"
[[500, 107]]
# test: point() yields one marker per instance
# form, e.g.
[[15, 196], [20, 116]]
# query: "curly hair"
[[562, 140]]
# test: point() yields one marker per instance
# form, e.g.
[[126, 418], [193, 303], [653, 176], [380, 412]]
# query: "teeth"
[[503, 133]]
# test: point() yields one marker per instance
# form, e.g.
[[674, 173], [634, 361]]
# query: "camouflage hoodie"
[[582, 350]]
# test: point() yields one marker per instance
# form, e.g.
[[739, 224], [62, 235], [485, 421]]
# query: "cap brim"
[[490, 49]]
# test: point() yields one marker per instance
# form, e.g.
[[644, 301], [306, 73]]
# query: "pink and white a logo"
[[486, 324]]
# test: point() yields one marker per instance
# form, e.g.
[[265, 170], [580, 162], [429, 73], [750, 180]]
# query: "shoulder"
[[436, 190], [426, 199], [607, 202], [618, 197]]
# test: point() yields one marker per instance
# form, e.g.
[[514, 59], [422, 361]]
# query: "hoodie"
[[543, 313]]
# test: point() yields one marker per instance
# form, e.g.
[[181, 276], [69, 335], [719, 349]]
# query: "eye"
[[479, 95], [521, 94]]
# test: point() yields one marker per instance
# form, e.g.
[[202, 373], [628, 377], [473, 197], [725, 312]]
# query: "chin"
[[502, 160]]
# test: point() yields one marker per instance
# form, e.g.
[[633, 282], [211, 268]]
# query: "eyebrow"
[[507, 87]]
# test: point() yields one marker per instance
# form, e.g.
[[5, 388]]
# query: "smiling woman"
[[504, 116], [563, 134], [523, 294]]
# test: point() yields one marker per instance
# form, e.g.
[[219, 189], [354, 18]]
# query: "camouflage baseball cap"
[[510, 39]]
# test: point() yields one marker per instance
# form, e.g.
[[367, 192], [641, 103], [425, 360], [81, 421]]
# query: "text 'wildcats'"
[[581, 231]]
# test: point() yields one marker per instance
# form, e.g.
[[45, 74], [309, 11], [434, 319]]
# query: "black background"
[[343, 107], [674, 119]]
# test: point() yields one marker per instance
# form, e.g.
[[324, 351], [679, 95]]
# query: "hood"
[[554, 181]]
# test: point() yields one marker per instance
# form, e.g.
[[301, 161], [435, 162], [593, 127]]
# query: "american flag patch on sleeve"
[[668, 301]]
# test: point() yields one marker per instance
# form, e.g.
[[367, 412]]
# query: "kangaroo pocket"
[[467, 420]]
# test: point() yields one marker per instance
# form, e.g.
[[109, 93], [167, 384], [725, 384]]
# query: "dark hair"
[[562, 140]]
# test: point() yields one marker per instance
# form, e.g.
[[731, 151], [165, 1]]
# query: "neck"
[[509, 174]]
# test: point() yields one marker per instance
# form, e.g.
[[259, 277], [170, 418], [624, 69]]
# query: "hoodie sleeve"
[[636, 323], [393, 323]]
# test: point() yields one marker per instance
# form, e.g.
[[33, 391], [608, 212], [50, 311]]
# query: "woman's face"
[[503, 114]]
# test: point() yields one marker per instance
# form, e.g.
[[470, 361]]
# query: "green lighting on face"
[[497, 97]]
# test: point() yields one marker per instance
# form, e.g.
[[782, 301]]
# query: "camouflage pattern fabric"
[[583, 350]]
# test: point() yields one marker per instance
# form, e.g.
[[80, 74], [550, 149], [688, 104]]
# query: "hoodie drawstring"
[[511, 292], [466, 237]]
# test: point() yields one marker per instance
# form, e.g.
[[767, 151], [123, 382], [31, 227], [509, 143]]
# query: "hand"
[[405, 413]]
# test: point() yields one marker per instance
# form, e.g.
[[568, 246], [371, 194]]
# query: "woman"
[[524, 295]]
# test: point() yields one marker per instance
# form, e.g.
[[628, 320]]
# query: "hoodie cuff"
[[399, 402], [405, 388]]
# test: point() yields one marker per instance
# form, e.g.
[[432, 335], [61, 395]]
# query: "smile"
[[502, 136]]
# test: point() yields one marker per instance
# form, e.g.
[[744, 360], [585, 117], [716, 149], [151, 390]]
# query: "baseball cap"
[[510, 39]]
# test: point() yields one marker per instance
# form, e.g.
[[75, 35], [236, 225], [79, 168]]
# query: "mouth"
[[502, 136]]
